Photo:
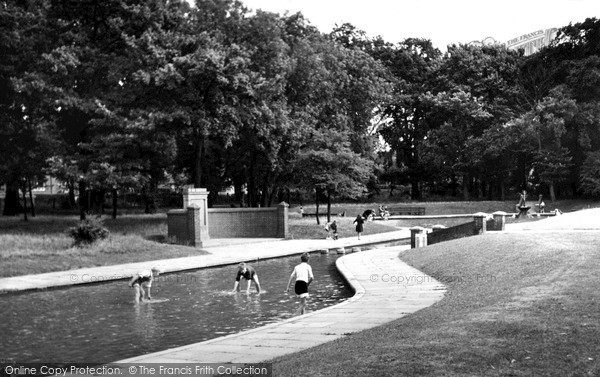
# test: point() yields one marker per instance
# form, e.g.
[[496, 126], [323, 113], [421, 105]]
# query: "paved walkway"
[[584, 220], [221, 252], [386, 289]]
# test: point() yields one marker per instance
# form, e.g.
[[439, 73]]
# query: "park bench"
[[324, 213], [406, 211]]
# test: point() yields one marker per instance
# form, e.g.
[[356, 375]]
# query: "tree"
[[27, 109], [476, 93], [567, 111], [330, 168], [411, 63]]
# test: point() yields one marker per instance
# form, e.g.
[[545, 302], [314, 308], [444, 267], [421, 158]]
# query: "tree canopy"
[[129, 95]]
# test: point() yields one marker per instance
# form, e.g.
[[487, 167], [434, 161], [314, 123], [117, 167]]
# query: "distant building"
[[50, 187], [532, 42], [489, 41]]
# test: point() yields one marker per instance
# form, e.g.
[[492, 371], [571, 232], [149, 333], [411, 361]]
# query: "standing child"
[[141, 280], [304, 276], [359, 221]]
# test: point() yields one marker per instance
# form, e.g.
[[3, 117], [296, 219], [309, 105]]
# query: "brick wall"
[[245, 222], [186, 227], [459, 231], [177, 228]]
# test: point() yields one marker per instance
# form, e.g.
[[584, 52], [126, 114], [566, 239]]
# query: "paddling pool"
[[99, 323]]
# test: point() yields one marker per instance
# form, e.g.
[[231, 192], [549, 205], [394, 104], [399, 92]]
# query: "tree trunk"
[[83, 200], [31, 198], [252, 200], [149, 200], [317, 206], [12, 205], [552, 193], [24, 190], [328, 205], [239, 193], [72, 202], [265, 197], [100, 195], [465, 185], [454, 186], [198, 162], [114, 203], [479, 184], [415, 191]]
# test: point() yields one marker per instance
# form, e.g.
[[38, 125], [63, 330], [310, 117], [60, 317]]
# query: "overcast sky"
[[443, 21]]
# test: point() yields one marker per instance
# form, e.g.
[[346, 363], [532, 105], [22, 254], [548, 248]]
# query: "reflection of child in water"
[[141, 280]]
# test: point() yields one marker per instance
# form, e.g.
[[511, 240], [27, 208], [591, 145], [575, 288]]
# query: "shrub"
[[88, 231]]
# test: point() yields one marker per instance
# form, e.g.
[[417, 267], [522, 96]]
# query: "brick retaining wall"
[[244, 223], [187, 227]]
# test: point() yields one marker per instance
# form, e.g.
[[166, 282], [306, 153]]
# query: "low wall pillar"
[[418, 237], [499, 220], [282, 220], [197, 230], [480, 222]]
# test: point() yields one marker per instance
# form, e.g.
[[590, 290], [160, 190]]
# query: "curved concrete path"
[[386, 289], [583, 220]]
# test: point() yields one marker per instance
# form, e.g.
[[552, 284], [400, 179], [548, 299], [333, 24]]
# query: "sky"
[[442, 21]]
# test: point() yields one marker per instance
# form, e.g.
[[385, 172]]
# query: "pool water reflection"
[[99, 323]]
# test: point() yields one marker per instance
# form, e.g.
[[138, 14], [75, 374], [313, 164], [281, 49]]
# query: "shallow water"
[[99, 323]]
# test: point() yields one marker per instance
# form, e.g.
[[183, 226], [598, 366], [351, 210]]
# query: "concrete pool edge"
[[219, 256], [375, 302]]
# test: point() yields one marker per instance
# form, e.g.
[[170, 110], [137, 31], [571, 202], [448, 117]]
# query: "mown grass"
[[516, 306], [42, 244]]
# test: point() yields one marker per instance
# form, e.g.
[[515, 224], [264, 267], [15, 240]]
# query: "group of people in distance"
[[302, 275], [332, 227]]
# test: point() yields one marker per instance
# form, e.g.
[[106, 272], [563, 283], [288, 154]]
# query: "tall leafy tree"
[[27, 108], [476, 93], [412, 64]]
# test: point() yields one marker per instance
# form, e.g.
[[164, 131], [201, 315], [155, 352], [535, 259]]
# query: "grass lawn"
[[42, 244], [516, 306]]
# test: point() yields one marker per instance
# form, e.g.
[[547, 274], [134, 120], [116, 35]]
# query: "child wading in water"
[[141, 280], [304, 276], [247, 272]]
